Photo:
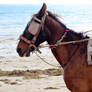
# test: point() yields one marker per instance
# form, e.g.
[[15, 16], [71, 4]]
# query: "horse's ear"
[[42, 11]]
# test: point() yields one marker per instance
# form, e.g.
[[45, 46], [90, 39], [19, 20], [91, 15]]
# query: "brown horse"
[[45, 26]]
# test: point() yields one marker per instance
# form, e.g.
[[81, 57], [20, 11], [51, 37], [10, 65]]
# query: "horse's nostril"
[[18, 49]]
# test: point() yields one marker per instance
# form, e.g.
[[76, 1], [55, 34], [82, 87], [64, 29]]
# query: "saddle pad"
[[89, 52], [34, 28]]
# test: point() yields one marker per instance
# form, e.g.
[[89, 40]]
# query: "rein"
[[46, 61]]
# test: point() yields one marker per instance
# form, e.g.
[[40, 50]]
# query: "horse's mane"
[[54, 16]]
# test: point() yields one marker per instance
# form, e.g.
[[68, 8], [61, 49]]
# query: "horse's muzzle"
[[23, 53]]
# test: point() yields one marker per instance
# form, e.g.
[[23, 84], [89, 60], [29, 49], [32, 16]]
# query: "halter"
[[32, 42]]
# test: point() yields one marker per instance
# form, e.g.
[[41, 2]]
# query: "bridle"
[[41, 27], [25, 39]]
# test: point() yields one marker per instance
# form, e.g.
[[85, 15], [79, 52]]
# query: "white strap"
[[35, 18]]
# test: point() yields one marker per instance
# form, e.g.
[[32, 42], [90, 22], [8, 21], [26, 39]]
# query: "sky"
[[46, 1]]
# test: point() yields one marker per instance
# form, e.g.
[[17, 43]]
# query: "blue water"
[[13, 18]]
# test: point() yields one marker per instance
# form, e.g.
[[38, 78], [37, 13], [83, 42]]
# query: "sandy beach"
[[28, 74]]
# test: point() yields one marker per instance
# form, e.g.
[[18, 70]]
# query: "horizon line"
[[46, 4]]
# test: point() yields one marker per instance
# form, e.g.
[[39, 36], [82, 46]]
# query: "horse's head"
[[33, 34], [44, 26]]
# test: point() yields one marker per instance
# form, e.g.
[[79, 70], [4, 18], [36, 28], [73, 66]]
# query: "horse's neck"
[[68, 54], [55, 29], [72, 53], [62, 53]]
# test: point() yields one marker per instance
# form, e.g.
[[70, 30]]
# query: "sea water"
[[13, 20]]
